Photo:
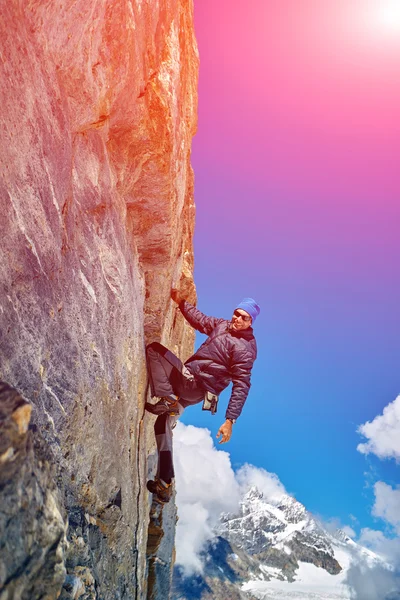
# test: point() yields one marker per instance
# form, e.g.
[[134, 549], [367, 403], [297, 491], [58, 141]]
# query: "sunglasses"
[[238, 314]]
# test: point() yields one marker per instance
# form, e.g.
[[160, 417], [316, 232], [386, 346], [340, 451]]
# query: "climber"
[[227, 355]]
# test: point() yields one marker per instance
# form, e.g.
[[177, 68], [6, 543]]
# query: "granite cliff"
[[98, 105]]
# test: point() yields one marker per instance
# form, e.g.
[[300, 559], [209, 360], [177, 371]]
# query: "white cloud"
[[349, 531], [375, 540], [387, 504], [383, 433], [267, 483], [371, 583], [334, 524], [206, 486], [372, 539], [377, 582], [192, 532]]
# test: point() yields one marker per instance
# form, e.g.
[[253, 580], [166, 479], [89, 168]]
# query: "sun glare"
[[388, 15], [377, 21]]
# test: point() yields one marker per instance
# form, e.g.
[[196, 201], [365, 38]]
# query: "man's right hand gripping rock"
[[176, 296]]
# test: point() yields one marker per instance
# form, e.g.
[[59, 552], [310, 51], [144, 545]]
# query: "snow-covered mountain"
[[275, 550]]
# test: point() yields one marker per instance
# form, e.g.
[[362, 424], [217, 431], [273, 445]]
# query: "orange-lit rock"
[[97, 113]]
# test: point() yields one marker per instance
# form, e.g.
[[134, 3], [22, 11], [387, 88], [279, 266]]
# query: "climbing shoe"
[[161, 491], [166, 404]]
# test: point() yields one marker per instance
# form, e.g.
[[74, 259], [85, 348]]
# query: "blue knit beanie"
[[250, 306]]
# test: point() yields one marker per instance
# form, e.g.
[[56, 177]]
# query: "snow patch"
[[312, 583]]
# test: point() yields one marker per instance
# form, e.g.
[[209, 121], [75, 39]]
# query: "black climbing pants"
[[168, 375]]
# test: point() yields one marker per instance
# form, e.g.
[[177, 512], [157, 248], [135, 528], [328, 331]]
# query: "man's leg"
[[159, 367], [168, 376], [161, 486], [163, 430], [168, 379]]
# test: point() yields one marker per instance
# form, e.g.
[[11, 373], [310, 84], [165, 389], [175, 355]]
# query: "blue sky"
[[319, 253]]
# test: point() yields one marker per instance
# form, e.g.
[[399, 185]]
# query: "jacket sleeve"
[[241, 374], [197, 319]]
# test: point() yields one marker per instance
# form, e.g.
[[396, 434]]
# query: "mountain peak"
[[340, 535], [293, 510], [253, 494], [273, 547]]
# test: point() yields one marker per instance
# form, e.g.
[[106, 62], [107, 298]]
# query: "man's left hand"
[[225, 431]]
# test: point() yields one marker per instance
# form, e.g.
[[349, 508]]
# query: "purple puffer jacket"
[[225, 356]]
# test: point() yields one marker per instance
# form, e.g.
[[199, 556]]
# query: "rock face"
[[33, 522], [97, 113]]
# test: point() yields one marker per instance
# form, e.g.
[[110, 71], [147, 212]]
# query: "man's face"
[[240, 320]]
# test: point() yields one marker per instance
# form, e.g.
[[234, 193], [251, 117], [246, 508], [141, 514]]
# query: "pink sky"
[[297, 188], [310, 88]]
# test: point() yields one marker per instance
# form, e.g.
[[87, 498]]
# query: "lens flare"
[[388, 15]]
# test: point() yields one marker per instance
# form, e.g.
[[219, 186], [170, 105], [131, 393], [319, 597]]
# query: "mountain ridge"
[[271, 549]]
